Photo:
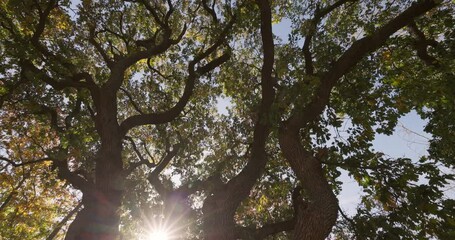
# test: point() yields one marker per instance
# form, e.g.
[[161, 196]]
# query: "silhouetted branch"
[[24, 163], [421, 45], [351, 57], [62, 222]]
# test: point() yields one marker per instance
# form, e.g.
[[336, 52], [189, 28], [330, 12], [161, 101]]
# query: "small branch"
[[130, 98], [166, 159], [153, 176], [319, 15], [421, 45], [171, 114], [74, 112], [24, 163], [156, 70], [98, 47], [11, 195], [59, 225], [53, 114], [351, 222], [142, 160], [210, 10]]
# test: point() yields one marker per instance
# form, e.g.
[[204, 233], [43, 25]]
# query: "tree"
[[117, 99]]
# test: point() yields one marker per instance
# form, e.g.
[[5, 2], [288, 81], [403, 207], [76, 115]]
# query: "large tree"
[[114, 104]]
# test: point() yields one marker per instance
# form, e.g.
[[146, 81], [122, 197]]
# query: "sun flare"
[[158, 235]]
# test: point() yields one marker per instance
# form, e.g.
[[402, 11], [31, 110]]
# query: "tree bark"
[[100, 217], [316, 217], [218, 215]]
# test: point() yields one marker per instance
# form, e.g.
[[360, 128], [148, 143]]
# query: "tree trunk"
[[318, 213], [218, 223], [100, 217]]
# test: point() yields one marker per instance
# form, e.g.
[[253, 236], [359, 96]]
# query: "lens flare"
[[158, 235]]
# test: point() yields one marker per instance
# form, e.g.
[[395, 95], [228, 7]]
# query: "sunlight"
[[158, 235]]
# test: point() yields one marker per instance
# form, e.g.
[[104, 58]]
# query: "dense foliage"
[[110, 122]]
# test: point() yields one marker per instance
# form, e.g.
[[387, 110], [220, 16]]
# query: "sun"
[[158, 235]]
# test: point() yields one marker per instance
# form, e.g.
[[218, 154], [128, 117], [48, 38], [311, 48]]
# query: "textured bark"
[[100, 217], [218, 215], [318, 215], [99, 220]]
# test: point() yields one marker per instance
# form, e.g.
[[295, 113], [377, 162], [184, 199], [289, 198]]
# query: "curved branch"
[[171, 114], [351, 57], [75, 81], [240, 186], [319, 15], [421, 45], [210, 10]]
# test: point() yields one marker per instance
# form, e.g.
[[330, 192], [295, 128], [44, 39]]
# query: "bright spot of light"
[[158, 235]]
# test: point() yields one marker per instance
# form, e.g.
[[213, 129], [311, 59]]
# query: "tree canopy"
[[110, 126]]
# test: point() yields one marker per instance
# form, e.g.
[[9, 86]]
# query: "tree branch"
[[62, 222], [98, 48], [72, 177], [319, 15], [142, 160], [24, 163], [421, 45], [153, 176], [172, 113], [350, 58], [74, 81], [11, 195], [210, 10], [130, 97], [240, 185]]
